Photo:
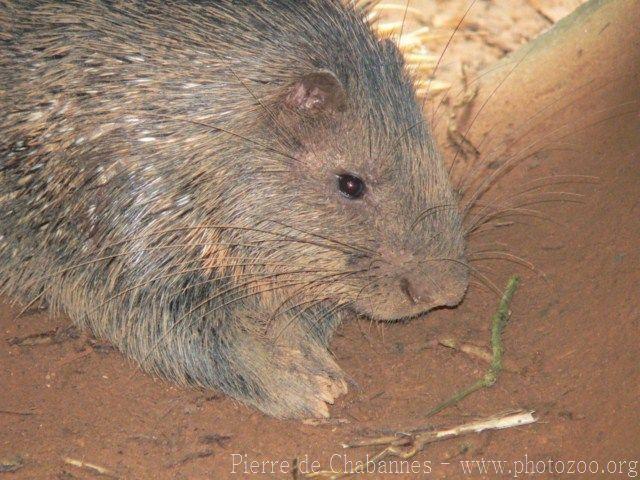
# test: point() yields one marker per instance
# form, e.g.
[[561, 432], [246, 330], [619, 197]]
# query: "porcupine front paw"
[[300, 385]]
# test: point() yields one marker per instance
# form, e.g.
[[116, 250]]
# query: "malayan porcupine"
[[210, 184]]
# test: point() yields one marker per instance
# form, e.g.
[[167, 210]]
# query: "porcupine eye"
[[350, 186]]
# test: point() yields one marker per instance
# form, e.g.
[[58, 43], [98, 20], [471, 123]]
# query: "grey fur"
[[157, 185]]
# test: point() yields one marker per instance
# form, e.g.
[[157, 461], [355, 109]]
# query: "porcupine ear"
[[315, 93]]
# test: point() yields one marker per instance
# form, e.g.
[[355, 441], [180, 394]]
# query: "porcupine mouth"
[[397, 309], [400, 302]]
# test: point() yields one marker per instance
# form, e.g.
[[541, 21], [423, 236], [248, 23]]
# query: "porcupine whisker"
[[498, 255], [262, 275], [253, 243], [433, 282], [464, 263], [446, 47], [491, 209], [318, 282], [485, 279], [528, 122], [506, 220], [209, 312], [283, 238], [309, 305], [527, 191], [443, 259], [484, 104], [366, 285], [425, 213], [186, 228], [326, 273], [246, 261], [60, 272], [256, 243], [462, 184], [357, 248], [489, 247], [214, 279], [359, 294], [223, 227], [404, 19], [434, 125], [492, 224], [218, 294], [479, 147], [177, 246], [252, 263], [472, 270], [480, 285], [287, 238], [313, 303], [328, 313], [435, 119], [493, 244], [276, 284], [506, 213], [423, 121], [559, 179], [510, 163], [473, 202], [532, 198], [396, 142], [489, 254], [496, 207], [223, 130], [507, 257], [280, 283], [211, 280], [337, 306], [370, 136]]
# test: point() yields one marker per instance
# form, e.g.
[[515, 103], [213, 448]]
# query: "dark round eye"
[[350, 185]]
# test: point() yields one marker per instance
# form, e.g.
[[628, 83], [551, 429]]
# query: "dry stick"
[[406, 446], [494, 422], [96, 469], [498, 322]]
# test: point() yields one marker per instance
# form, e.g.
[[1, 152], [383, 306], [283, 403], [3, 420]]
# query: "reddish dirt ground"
[[572, 343]]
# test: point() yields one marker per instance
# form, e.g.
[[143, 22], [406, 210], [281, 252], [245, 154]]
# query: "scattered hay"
[[392, 20]]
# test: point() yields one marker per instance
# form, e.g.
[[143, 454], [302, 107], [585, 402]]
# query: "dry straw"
[[392, 20]]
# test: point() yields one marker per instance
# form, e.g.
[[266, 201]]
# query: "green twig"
[[498, 323]]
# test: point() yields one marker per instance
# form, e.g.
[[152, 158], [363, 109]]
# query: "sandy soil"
[[572, 342]]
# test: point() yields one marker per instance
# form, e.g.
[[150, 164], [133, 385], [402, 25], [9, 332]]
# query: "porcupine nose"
[[433, 292]]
